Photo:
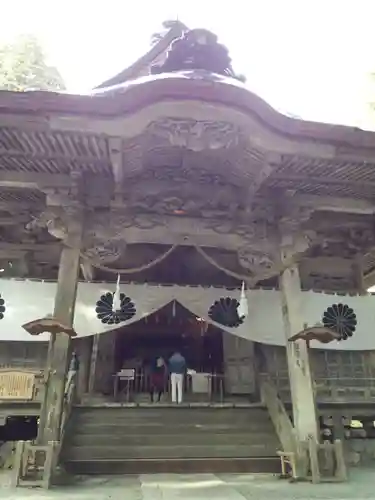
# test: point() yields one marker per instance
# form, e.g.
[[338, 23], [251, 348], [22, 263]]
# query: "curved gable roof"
[[135, 70]]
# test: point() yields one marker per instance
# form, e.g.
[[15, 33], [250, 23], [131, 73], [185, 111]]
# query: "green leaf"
[[23, 66]]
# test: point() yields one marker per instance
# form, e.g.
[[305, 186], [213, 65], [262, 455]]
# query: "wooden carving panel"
[[16, 385]]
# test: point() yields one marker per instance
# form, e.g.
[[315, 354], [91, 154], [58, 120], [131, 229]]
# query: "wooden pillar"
[[59, 350], [301, 383], [359, 276], [84, 349], [104, 362], [93, 363], [338, 426]]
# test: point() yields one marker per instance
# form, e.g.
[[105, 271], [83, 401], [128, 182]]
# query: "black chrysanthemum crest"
[[2, 307], [106, 315], [341, 319], [224, 311]]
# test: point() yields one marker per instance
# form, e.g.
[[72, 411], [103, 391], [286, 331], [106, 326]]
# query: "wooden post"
[[17, 471], [338, 426], [59, 344], [341, 471], [314, 461], [358, 276], [301, 383], [93, 360], [84, 349]]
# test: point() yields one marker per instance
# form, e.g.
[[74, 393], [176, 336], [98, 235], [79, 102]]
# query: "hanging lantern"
[[243, 307]]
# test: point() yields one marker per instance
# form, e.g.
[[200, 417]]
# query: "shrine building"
[[173, 210]]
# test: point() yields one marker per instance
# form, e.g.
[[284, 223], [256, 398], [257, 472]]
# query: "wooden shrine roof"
[[36, 107], [142, 65], [29, 151], [29, 144], [28, 155], [44, 139]]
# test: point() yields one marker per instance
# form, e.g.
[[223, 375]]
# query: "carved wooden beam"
[[21, 206], [88, 271], [32, 180], [369, 279], [24, 247], [335, 204], [13, 254], [323, 180], [260, 176], [14, 220], [115, 154], [13, 153]]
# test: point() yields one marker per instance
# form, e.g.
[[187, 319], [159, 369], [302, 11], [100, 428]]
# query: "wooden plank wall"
[[353, 370], [30, 355], [333, 371], [33, 355]]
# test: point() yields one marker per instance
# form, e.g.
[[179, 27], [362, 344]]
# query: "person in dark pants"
[[157, 379]]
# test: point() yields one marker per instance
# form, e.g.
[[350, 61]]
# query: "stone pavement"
[[197, 487]]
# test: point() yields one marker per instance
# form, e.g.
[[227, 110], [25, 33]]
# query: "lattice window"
[[23, 355]]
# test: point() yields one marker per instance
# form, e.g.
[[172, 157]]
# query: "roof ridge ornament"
[[197, 49]]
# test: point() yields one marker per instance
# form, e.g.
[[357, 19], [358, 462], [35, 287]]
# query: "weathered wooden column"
[[358, 275], [59, 344], [93, 364], [83, 349], [301, 382]]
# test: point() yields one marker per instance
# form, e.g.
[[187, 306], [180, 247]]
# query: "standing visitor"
[[177, 369], [157, 378]]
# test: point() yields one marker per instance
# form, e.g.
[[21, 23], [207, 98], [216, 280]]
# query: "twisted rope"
[[250, 280], [131, 270], [242, 277]]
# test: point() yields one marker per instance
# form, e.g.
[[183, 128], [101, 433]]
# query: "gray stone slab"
[[197, 487]]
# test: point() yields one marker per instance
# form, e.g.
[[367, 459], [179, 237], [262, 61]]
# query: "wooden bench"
[[325, 462]]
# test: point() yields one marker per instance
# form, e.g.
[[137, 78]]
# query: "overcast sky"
[[308, 57]]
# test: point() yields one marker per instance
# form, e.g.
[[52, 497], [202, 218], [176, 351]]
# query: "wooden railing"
[[278, 414], [34, 464], [128, 390], [328, 390], [322, 459], [69, 399]]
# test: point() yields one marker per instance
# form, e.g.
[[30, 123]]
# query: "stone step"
[[175, 451], [198, 415], [149, 428], [175, 466], [186, 439]]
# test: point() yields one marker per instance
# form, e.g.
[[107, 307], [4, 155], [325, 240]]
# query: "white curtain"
[[28, 300]]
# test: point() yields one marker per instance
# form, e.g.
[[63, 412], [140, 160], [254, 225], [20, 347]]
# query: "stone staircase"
[[151, 439]]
